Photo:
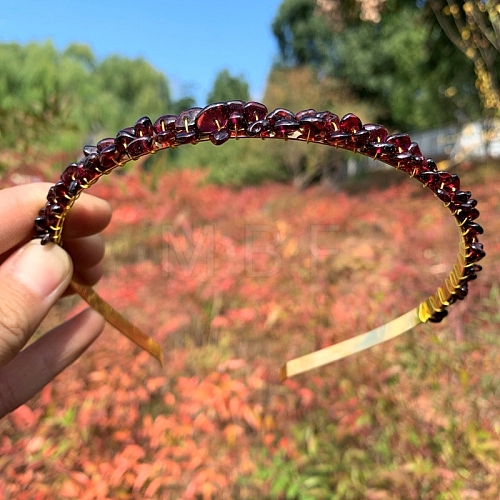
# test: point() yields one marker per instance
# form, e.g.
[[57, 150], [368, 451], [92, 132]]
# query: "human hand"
[[32, 278]]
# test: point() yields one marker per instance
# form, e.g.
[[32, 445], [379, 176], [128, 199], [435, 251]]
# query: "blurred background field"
[[241, 257]]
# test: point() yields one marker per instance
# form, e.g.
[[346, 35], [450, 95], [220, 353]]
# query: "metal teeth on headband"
[[222, 121]]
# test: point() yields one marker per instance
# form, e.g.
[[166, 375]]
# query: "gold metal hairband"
[[222, 121]]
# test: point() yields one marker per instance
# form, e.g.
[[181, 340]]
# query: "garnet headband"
[[235, 119]]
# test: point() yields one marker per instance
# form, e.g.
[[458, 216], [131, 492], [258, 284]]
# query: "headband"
[[222, 121]]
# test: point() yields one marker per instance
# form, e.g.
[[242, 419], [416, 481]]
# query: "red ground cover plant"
[[232, 284]]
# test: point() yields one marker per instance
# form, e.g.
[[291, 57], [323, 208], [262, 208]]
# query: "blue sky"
[[188, 41]]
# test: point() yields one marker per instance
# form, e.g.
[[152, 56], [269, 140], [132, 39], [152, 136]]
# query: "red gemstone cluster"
[[236, 119]]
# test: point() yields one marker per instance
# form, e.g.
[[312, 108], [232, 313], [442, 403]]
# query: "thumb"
[[31, 281]]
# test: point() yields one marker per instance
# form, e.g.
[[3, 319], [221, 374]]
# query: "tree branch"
[[446, 26]]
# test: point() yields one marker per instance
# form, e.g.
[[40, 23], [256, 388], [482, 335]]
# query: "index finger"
[[19, 206]]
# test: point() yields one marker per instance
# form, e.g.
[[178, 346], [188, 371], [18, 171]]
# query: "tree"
[[303, 37], [40, 93], [130, 88], [474, 28], [227, 87], [408, 70], [82, 54], [53, 100], [392, 62]]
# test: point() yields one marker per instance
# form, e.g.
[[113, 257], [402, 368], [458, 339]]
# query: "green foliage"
[[39, 94], [403, 66], [82, 54], [227, 88], [290, 480], [134, 88], [53, 100], [303, 37], [397, 65], [236, 163]]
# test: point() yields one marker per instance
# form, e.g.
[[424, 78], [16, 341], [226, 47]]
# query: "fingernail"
[[42, 268]]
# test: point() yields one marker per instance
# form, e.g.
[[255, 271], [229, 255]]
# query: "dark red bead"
[[236, 122], [401, 141], [254, 111], [472, 228], [438, 316], [450, 182], [331, 122], [443, 195], [311, 127], [46, 238], [414, 149], [476, 252], [92, 173], [87, 150], [461, 196], [428, 178], [466, 206], [213, 118], [74, 188], [304, 113], [123, 138], [236, 106], [402, 161], [286, 126], [104, 143], [130, 131], [462, 291], [350, 124], [220, 136], [329, 118], [337, 139], [165, 139], [280, 114], [79, 174], [186, 137], [313, 124], [143, 127], [451, 300], [360, 138], [69, 173], [58, 194], [186, 120], [164, 128], [379, 150], [469, 275], [419, 164], [108, 158], [41, 224], [260, 127], [53, 213], [165, 123], [92, 167], [431, 165], [140, 147], [473, 214], [378, 133]]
